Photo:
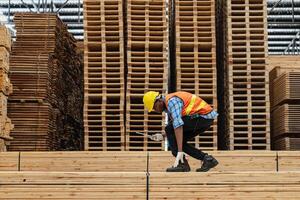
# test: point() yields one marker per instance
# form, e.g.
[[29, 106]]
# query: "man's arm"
[[179, 137]]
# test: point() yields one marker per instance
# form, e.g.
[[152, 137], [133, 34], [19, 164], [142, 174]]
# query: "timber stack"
[[5, 88], [46, 70]]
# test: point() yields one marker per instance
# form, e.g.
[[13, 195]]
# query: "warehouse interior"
[[73, 78]]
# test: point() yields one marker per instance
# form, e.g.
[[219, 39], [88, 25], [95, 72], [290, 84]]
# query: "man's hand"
[[179, 157], [157, 137]]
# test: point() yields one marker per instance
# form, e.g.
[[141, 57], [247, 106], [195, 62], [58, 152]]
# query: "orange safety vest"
[[192, 104]]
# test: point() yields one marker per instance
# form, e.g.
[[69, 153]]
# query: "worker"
[[188, 116]]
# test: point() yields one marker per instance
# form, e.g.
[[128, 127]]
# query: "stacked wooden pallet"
[[285, 98], [196, 57], [5, 87], [47, 73], [147, 69], [248, 91], [104, 75]]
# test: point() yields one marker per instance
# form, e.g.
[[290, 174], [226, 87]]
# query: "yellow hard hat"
[[149, 99]]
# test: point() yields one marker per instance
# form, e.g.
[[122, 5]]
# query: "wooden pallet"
[[196, 57], [247, 82], [104, 75], [147, 69]]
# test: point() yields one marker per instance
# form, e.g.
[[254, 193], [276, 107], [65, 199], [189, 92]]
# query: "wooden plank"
[[84, 161], [288, 161], [229, 161], [9, 161]]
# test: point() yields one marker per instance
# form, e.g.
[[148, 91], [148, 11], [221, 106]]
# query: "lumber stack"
[[5, 88], [285, 98], [104, 75], [147, 69], [125, 175], [196, 57], [46, 101], [247, 83]]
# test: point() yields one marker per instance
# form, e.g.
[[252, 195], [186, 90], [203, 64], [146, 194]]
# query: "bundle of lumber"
[[285, 98], [46, 104], [5, 87]]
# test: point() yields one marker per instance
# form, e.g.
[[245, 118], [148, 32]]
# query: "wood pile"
[[285, 101], [104, 75], [119, 175], [147, 68], [245, 89], [5, 88], [195, 48], [46, 104]]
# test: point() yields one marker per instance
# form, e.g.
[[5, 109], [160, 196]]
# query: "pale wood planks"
[[5, 88], [9, 161]]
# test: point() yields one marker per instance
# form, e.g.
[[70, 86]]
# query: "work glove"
[[179, 157], [157, 137]]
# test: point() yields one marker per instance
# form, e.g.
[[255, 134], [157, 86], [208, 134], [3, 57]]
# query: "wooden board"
[[234, 185], [229, 161], [84, 161], [9, 161], [288, 160], [73, 185]]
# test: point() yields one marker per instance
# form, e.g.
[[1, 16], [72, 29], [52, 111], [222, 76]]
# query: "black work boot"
[[181, 167], [208, 163]]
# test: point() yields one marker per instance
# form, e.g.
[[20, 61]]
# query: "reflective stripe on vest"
[[192, 104]]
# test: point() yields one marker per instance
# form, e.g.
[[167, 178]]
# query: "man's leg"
[[192, 128]]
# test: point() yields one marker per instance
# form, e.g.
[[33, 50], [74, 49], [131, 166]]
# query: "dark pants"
[[191, 128]]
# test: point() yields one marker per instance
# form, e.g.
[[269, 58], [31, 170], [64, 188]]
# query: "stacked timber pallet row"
[[246, 48], [196, 57], [285, 98], [5, 88], [104, 75], [47, 73], [147, 69]]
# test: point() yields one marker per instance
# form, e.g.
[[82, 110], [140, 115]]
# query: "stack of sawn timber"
[[246, 87], [46, 105], [5, 88], [285, 102]]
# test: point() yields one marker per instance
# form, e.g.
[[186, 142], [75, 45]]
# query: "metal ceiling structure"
[[70, 11], [284, 26], [283, 19]]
